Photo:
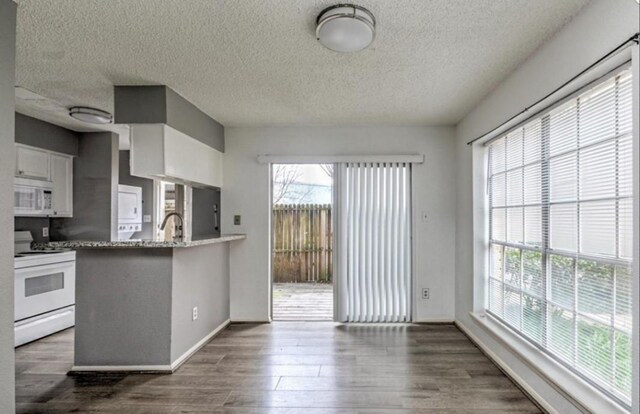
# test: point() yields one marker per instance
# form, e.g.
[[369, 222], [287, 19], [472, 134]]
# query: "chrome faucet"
[[178, 234]]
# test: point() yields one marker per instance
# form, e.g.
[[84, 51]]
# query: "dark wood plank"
[[284, 368]]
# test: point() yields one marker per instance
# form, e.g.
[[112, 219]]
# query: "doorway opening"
[[302, 242]]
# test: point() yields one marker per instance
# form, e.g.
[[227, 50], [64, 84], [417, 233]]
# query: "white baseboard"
[[184, 357], [161, 369], [434, 320], [251, 321], [165, 369], [507, 369]]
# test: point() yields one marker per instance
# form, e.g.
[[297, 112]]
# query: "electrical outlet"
[[146, 218], [237, 220], [194, 314], [425, 293], [45, 232]]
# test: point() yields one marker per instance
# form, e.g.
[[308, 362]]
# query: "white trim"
[[122, 368], [480, 200], [332, 159], [577, 391], [155, 368], [270, 245], [339, 315], [427, 321], [635, 388], [268, 320], [195, 348]]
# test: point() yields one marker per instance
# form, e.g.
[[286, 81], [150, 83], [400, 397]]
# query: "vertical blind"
[[561, 224], [374, 242]]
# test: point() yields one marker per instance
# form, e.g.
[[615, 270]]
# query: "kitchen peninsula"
[[147, 305]]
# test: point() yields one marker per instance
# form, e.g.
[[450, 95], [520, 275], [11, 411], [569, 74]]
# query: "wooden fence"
[[302, 243]]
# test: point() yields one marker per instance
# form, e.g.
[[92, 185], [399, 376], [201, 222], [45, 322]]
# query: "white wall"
[[246, 192], [600, 26], [7, 108]]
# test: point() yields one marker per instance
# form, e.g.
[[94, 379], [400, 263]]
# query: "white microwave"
[[32, 198]]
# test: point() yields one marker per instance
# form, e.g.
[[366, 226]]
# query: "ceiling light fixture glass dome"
[[90, 115], [345, 28]]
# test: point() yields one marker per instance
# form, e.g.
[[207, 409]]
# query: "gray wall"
[[37, 133], [123, 307], [134, 306], [203, 220], [95, 184], [126, 178], [7, 160], [159, 104], [200, 278]]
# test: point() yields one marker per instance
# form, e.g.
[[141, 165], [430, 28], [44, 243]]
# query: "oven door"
[[44, 288]]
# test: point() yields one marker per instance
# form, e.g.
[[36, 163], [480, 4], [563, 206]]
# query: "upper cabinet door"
[[62, 178], [32, 163]]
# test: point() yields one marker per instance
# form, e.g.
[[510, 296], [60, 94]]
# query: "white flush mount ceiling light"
[[90, 115], [345, 28]]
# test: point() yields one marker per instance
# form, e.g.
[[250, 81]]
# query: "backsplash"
[[34, 225]]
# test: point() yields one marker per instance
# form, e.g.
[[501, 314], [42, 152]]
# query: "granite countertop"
[[87, 244]]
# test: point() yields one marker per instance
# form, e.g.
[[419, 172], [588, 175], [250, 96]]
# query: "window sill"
[[582, 394]]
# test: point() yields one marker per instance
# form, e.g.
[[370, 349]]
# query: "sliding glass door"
[[373, 242]]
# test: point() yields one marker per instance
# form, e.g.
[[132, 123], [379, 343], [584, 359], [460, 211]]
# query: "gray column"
[[7, 166], [95, 188]]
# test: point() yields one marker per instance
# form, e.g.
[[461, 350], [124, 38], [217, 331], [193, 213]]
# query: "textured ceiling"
[[257, 62]]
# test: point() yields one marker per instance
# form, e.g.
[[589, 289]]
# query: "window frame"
[[482, 242]]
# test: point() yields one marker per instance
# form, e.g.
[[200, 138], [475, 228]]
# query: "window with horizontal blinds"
[[561, 224]]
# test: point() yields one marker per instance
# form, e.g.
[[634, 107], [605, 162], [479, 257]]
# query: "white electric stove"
[[45, 282]]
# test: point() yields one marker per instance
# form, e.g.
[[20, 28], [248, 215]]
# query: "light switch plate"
[[237, 220], [146, 218]]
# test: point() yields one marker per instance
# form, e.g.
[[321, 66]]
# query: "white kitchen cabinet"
[[32, 163], [161, 152], [41, 164], [62, 178]]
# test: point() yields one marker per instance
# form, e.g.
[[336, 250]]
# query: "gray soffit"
[[158, 104], [37, 133]]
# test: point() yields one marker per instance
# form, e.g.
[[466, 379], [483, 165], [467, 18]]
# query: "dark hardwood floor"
[[284, 367]]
